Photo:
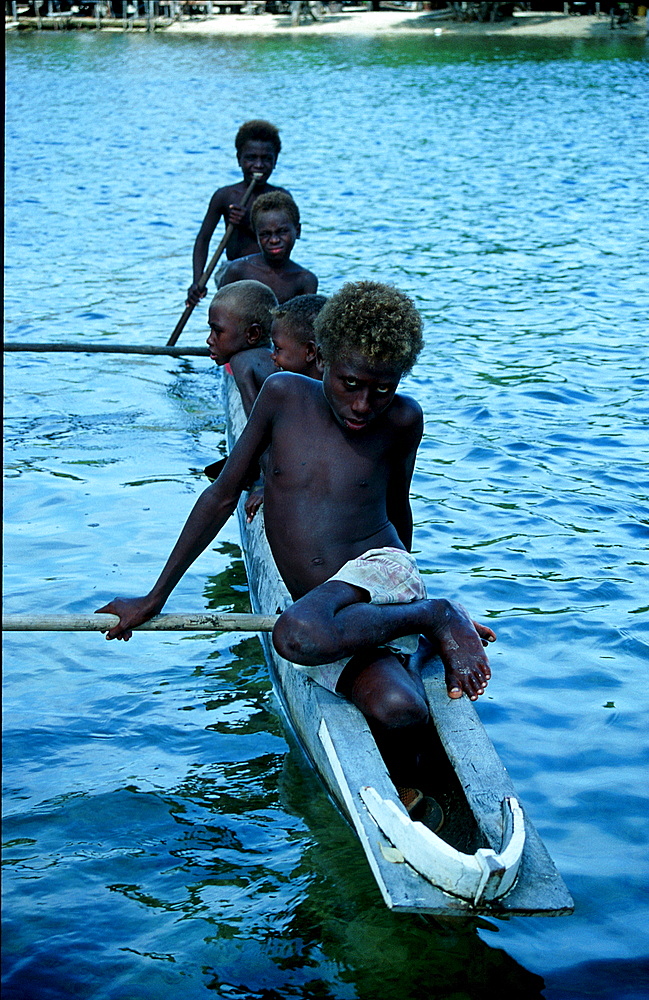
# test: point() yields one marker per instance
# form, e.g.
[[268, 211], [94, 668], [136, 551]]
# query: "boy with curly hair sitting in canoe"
[[341, 454]]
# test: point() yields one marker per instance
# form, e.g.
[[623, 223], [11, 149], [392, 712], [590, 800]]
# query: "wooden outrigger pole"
[[81, 348], [203, 621]]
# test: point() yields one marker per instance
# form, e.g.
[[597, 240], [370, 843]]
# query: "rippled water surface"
[[163, 838]]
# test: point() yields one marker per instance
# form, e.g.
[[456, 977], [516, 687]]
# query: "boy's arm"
[[410, 426], [215, 210], [209, 514]]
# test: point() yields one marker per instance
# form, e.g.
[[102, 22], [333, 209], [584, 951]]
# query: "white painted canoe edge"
[[480, 876]]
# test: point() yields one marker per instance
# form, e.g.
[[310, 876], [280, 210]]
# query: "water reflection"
[[384, 954], [153, 850]]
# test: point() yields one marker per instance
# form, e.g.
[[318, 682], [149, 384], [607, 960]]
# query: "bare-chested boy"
[[276, 220], [294, 346], [339, 524], [258, 145]]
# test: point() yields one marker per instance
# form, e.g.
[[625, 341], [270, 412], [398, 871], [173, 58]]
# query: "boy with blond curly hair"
[[341, 454]]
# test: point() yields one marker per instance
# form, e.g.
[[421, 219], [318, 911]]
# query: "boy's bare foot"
[[486, 634], [459, 642]]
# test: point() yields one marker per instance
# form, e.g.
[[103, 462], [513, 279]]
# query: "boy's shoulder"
[[405, 413], [291, 382], [299, 268], [252, 357], [406, 407], [237, 189], [251, 261], [282, 387], [225, 195], [250, 369], [237, 269]]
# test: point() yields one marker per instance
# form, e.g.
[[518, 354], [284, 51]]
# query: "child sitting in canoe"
[[341, 454], [258, 145], [294, 346], [276, 221], [240, 319], [294, 350]]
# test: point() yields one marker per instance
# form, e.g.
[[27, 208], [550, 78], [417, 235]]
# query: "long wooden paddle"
[[205, 276], [203, 621]]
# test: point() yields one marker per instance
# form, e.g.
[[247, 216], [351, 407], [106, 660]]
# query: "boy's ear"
[[254, 334], [319, 361], [298, 230], [311, 351]]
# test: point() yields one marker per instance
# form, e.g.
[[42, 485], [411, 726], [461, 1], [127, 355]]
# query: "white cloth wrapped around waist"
[[390, 576]]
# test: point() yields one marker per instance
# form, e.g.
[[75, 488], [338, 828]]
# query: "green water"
[[162, 836]]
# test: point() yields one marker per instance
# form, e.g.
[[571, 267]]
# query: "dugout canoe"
[[488, 858]]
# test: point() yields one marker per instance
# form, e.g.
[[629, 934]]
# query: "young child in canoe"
[[294, 350], [258, 145], [276, 220], [341, 453], [240, 319], [294, 346]]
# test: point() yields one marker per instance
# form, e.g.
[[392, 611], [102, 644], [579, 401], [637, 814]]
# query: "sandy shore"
[[384, 22]]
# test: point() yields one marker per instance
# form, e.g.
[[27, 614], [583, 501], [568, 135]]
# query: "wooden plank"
[[486, 783]]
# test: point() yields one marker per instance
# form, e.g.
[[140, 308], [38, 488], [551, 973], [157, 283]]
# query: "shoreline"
[[366, 23], [400, 22]]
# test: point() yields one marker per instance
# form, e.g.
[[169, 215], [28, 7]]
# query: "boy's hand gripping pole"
[[207, 273]]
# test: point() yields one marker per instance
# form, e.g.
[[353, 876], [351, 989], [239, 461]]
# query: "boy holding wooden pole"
[[258, 145]]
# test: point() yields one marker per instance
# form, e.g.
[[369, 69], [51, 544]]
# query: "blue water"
[[163, 837]]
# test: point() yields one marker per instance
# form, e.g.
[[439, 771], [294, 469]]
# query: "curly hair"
[[252, 302], [377, 320], [299, 314], [275, 201], [257, 130]]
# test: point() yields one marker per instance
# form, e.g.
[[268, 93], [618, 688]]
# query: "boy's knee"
[[301, 639], [399, 708]]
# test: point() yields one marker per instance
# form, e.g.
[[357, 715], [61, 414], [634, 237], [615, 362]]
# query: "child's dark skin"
[[291, 355], [276, 236], [324, 506], [256, 157], [235, 343]]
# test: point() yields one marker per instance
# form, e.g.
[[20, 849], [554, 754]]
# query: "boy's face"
[[288, 354], [257, 158], [227, 334], [276, 236], [358, 390]]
